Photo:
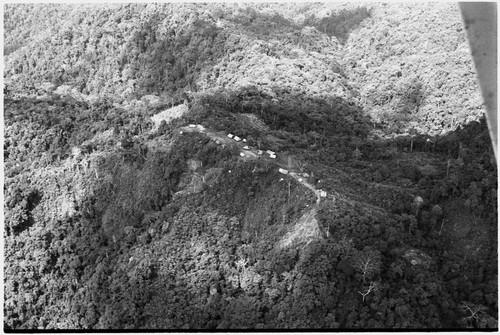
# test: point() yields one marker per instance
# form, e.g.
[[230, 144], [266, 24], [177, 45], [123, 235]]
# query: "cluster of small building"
[[272, 154], [236, 138], [322, 193]]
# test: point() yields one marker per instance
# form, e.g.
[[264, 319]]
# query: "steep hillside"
[[419, 68], [359, 191], [402, 63]]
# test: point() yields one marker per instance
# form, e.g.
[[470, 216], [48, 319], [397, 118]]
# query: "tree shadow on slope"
[[289, 121], [339, 24], [166, 64], [171, 64], [456, 169], [313, 121], [59, 201], [251, 20], [109, 254], [416, 164], [158, 61]]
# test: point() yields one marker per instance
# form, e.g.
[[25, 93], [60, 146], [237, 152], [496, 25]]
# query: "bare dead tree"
[[448, 165], [289, 189], [301, 166], [417, 203], [475, 312], [367, 263], [371, 288], [366, 267]]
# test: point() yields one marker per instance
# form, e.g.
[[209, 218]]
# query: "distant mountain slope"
[[406, 65], [128, 51], [411, 63]]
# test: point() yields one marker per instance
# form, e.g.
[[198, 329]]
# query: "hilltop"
[[361, 192]]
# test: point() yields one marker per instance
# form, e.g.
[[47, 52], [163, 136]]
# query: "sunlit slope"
[[411, 64]]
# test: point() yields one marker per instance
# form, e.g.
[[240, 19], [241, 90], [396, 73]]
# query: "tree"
[[291, 162], [357, 154], [476, 316], [369, 289], [428, 170], [417, 204], [448, 165], [301, 165], [437, 211], [367, 263], [410, 221], [473, 202], [412, 133], [316, 136]]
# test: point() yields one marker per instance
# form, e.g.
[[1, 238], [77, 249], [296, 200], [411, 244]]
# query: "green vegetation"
[[111, 223]]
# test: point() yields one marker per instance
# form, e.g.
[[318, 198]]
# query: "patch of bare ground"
[[304, 231], [168, 115]]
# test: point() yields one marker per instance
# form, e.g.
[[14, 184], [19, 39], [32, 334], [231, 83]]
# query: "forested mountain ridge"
[[410, 64], [117, 220], [129, 51]]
